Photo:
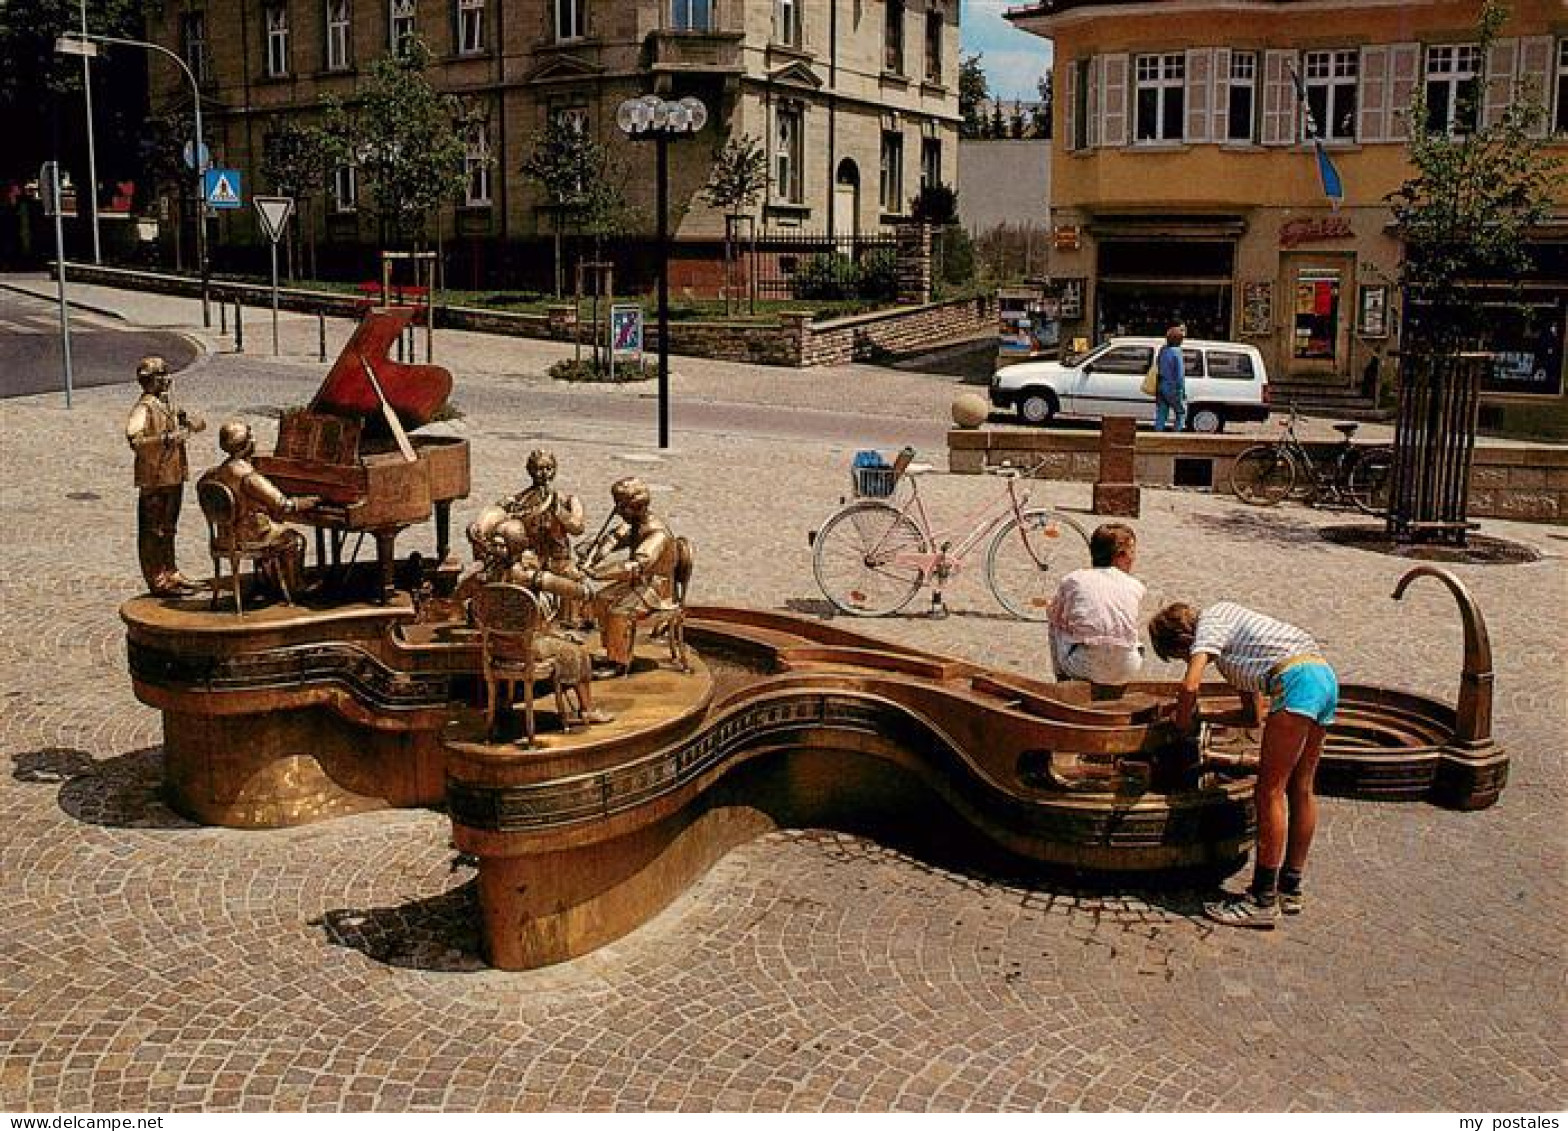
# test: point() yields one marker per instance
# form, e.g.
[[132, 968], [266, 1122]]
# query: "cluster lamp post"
[[653, 117]]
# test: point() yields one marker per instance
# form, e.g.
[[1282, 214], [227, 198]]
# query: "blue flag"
[[1333, 187]]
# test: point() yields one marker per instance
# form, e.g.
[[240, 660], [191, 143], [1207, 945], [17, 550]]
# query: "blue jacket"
[[1173, 379]]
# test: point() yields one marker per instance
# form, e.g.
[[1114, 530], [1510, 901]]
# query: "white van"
[[1225, 381]]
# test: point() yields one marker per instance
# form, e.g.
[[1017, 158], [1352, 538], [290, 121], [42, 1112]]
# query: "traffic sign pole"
[[274, 298], [49, 181], [274, 213]]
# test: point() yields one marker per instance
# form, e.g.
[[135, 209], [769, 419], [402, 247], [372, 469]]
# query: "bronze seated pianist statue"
[[246, 515]]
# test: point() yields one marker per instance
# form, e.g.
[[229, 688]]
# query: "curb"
[[76, 304]]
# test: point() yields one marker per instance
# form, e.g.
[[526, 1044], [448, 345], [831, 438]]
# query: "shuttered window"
[[1161, 97]]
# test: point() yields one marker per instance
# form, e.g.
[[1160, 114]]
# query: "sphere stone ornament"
[[970, 410]]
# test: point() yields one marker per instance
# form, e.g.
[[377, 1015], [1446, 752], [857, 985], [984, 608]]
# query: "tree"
[[405, 137], [972, 94], [581, 185], [1464, 217], [294, 163], [1466, 212], [40, 90], [935, 204], [738, 179], [1016, 125], [998, 121], [1042, 112]]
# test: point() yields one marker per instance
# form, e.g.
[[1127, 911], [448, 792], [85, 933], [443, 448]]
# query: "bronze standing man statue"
[[157, 432]]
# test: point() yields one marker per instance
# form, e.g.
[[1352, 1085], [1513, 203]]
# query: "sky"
[[1014, 60]]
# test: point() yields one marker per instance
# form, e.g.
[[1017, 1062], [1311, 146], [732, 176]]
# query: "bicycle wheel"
[[1029, 556], [1368, 481], [1263, 475], [869, 559]]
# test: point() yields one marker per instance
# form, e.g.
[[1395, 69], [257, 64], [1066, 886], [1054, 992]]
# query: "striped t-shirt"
[[1246, 645]]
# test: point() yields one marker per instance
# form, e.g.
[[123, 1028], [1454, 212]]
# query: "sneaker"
[[1248, 910], [1291, 902]]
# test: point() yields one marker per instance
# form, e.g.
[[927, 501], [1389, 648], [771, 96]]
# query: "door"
[[846, 199], [1318, 292], [1112, 384]]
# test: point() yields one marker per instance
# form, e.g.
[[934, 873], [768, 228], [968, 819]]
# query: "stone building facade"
[[1185, 185], [855, 100]]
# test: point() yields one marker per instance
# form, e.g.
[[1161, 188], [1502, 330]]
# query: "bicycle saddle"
[[1346, 430]]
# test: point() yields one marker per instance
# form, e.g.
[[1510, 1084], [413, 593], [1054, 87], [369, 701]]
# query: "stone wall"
[[1525, 482], [867, 337]]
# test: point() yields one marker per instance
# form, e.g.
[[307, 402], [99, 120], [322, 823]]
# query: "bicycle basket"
[[873, 482]]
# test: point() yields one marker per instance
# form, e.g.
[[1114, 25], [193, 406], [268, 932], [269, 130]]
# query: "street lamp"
[[652, 117], [82, 44]]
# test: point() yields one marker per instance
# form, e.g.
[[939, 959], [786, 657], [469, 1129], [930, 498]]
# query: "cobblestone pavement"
[[146, 963]]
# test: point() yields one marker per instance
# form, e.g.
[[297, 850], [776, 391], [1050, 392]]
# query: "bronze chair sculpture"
[[510, 619], [225, 541]]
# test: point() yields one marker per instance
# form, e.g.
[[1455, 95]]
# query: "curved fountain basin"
[[291, 715]]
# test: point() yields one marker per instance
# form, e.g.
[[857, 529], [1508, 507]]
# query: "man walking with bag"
[[1170, 396]]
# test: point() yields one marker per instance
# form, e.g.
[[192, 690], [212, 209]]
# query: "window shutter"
[[1069, 134], [1373, 95], [1200, 100], [1092, 104], [1404, 65], [1219, 97], [1535, 78], [1113, 100], [1280, 108], [1501, 62]]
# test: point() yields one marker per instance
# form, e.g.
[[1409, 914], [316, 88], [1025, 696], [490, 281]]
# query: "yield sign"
[[274, 213]]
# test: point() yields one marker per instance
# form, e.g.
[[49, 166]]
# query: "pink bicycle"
[[872, 556]]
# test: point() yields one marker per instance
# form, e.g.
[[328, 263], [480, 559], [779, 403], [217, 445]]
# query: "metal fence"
[[1434, 439], [805, 265]]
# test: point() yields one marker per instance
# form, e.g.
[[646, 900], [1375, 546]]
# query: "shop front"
[[1152, 276]]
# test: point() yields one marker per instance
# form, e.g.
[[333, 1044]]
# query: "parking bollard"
[[239, 328], [321, 335]]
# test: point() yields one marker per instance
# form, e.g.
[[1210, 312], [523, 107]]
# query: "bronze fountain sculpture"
[[296, 714]]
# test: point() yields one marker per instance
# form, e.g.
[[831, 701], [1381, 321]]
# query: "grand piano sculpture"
[[351, 447]]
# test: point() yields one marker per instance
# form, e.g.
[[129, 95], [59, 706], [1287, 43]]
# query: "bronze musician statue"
[[157, 432]]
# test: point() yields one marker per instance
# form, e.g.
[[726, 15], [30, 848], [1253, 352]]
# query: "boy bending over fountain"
[[1259, 655]]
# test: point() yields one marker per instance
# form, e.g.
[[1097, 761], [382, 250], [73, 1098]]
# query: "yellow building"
[[855, 101], [1185, 186]]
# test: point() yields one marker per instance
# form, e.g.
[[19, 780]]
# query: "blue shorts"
[[1309, 689]]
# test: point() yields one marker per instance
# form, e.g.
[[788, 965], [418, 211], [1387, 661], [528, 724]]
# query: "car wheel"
[[1037, 406], [1209, 420]]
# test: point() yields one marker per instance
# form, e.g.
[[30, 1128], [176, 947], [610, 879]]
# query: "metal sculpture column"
[[1434, 439], [652, 117]]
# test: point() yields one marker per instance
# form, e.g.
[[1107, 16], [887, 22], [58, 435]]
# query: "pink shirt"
[[1098, 606]]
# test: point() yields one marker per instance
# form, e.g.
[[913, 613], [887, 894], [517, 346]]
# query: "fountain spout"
[[1474, 722]]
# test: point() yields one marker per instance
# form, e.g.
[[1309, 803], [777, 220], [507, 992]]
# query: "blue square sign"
[[221, 188]]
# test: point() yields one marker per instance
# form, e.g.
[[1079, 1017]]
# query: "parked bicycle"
[[1264, 474], [875, 553]]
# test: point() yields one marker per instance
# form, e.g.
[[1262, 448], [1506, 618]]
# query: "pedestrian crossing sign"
[[221, 188]]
